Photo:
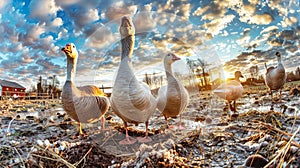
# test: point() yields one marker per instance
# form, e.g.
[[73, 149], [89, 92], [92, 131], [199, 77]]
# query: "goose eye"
[[73, 46]]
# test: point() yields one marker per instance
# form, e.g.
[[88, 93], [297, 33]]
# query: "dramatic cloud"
[[215, 26], [43, 9], [118, 10], [236, 33], [144, 21]]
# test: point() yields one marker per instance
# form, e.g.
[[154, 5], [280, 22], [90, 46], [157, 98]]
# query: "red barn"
[[9, 89]]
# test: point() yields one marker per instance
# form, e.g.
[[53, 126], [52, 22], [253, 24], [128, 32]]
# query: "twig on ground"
[[269, 126], [58, 158], [283, 150], [77, 163], [23, 164], [109, 137], [9, 125]]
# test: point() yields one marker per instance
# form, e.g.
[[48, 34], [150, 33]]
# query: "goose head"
[[126, 27], [278, 56], [238, 75], [70, 51], [170, 58]]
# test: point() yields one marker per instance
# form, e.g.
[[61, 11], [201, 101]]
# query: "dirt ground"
[[40, 134]]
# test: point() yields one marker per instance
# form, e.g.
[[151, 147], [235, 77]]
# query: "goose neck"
[[279, 59], [237, 79], [127, 47], [71, 69], [168, 69]]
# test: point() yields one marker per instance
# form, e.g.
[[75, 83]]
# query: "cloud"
[[4, 5], [102, 37], [144, 21], [57, 22], [180, 8], [33, 34], [215, 26], [63, 33], [265, 18], [66, 3], [248, 14], [82, 16], [118, 9], [43, 9]]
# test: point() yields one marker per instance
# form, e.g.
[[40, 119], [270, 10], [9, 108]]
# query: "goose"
[[85, 104], [231, 90], [173, 98], [275, 76], [131, 100]]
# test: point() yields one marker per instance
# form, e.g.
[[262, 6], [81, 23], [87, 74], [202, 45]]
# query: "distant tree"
[[39, 86], [32, 89], [190, 64], [254, 71], [203, 65]]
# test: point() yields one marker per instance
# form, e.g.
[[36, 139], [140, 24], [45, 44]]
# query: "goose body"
[[131, 100], [85, 104], [231, 90], [172, 98], [276, 76]]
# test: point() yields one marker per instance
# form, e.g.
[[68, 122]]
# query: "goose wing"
[[229, 91], [90, 108]]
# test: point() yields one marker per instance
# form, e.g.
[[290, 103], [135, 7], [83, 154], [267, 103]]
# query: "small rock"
[[264, 144], [40, 142], [256, 161], [294, 149]]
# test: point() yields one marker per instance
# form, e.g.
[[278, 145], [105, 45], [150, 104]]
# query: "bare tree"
[[254, 71], [203, 65]]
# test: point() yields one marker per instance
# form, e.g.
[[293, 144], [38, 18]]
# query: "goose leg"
[[271, 95], [234, 106], [128, 140], [280, 100], [180, 126], [80, 128], [103, 122], [167, 123], [146, 138], [230, 106]]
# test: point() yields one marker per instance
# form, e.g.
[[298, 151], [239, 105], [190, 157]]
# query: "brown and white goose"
[[85, 104], [276, 76], [131, 100], [172, 98], [231, 90]]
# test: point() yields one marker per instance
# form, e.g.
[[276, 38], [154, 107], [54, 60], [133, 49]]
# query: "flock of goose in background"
[[133, 101]]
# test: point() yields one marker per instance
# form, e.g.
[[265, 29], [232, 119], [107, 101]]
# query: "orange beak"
[[67, 49], [175, 58]]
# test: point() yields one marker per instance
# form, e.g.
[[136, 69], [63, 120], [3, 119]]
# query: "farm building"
[[9, 89]]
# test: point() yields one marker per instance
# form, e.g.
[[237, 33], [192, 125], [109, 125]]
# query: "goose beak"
[[175, 58], [67, 49]]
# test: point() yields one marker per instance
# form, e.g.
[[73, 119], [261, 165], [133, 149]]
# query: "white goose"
[[231, 90], [276, 76], [173, 98], [131, 100], [84, 104]]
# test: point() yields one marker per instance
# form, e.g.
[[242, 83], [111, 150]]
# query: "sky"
[[228, 34]]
